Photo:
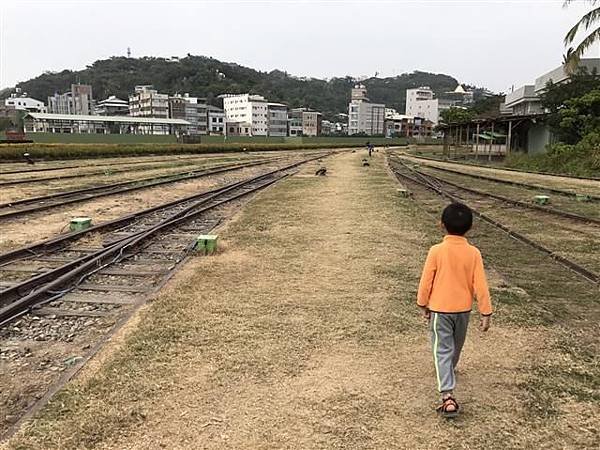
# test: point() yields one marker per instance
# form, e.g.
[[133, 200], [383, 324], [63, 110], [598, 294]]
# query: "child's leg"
[[461, 322], [442, 341]]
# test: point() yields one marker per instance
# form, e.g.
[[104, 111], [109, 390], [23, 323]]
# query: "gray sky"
[[485, 42]]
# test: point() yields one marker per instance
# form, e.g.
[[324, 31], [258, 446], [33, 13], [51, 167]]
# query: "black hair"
[[457, 218]]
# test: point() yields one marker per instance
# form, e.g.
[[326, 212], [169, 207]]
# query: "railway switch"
[[206, 243], [80, 223]]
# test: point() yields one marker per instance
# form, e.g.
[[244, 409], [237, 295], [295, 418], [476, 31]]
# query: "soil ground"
[[302, 333]]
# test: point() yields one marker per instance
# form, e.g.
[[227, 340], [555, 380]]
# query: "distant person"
[[369, 148], [452, 276]]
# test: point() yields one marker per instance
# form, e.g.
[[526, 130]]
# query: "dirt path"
[[302, 333]]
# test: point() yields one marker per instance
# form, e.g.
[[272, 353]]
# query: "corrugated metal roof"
[[117, 119]]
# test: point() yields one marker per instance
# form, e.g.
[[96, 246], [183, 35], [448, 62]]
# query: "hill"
[[207, 77]]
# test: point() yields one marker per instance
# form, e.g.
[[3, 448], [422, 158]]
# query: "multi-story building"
[[526, 99], [79, 101], [400, 125], [304, 122], [364, 116], [216, 120], [326, 127], [112, 106], [295, 122], [191, 109], [147, 102], [278, 119], [421, 102], [248, 108], [523, 101], [24, 103]]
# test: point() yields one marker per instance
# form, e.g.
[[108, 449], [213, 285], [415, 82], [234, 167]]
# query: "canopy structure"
[[72, 123]]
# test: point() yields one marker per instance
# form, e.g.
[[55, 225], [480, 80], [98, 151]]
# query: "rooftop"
[[116, 119]]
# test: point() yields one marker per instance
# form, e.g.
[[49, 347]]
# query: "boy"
[[452, 275]]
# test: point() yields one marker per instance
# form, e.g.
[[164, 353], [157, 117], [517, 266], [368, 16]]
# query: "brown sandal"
[[443, 408]]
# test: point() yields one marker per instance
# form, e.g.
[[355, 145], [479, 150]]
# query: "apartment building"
[[364, 116], [79, 101], [278, 119], [421, 102], [215, 120], [147, 102], [191, 109], [304, 122], [400, 125], [248, 108]]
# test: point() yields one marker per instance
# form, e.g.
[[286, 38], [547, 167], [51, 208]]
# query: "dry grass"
[[303, 334]]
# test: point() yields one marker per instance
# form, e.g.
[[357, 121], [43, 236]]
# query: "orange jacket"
[[452, 275]]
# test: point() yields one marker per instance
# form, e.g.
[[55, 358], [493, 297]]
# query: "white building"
[[216, 120], [112, 106], [421, 102], [24, 103], [526, 99], [363, 116], [147, 102], [250, 109]]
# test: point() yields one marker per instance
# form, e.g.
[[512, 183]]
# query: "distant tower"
[[128, 52]]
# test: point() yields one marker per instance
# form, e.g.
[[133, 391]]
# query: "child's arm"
[[482, 292], [427, 277]]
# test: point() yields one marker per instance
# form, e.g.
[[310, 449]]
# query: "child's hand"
[[485, 323], [426, 313]]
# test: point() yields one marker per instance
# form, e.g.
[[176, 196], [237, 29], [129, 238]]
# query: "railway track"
[[42, 271], [68, 295], [480, 201], [464, 162], [562, 192], [35, 204], [118, 163], [150, 166]]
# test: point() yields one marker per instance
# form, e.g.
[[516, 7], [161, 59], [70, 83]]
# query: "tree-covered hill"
[[207, 77]]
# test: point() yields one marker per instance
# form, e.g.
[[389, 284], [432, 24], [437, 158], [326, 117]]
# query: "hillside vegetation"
[[207, 77]]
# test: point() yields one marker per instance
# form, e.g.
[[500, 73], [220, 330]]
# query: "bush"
[[581, 159], [13, 152]]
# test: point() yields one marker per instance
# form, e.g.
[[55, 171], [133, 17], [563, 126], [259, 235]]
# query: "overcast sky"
[[484, 42]]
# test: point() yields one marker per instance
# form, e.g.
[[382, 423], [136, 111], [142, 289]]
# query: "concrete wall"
[[538, 137]]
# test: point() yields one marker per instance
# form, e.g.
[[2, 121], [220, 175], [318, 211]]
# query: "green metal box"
[[541, 199], [80, 223], [583, 198], [206, 243], [403, 192]]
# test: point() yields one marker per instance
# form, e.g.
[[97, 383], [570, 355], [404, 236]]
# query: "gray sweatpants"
[[448, 332]]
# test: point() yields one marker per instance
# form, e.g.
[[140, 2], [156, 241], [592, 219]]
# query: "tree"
[[587, 22], [580, 117], [457, 115]]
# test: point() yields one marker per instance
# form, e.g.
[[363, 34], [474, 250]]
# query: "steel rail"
[[117, 188], [573, 266], [116, 250], [119, 163], [174, 164]]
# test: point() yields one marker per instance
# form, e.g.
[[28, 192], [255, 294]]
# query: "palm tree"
[[587, 22]]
